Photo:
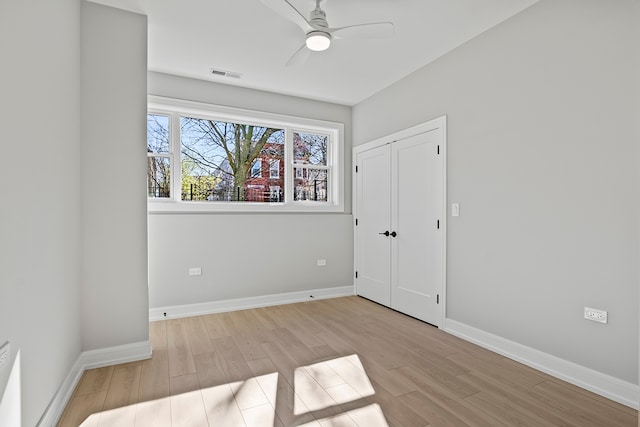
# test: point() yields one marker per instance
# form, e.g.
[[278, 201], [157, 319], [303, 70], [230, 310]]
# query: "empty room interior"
[[362, 213]]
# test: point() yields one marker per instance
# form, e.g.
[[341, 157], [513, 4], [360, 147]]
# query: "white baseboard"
[[115, 355], [211, 307], [90, 360], [605, 385]]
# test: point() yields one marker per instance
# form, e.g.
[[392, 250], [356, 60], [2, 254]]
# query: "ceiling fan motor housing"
[[318, 18]]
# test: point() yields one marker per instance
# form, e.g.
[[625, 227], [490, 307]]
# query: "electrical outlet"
[[595, 315], [195, 271], [321, 262], [5, 354]]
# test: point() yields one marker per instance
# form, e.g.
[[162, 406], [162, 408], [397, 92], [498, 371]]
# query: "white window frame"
[[176, 108], [167, 155]]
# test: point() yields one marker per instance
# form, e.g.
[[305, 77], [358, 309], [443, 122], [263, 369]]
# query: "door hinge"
[[356, 221], [438, 299], [356, 169], [438, 224], [356, 274], [438, 150]]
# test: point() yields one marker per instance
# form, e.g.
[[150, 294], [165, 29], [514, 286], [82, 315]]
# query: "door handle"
[[394, 234], [386, 233]]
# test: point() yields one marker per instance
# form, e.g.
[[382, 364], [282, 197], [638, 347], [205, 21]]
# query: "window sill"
[[173, 207]]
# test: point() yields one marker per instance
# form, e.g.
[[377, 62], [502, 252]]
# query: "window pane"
[[157, 133], [274, 168], [310, 148], [158, 177], [310, 184], [256, 169], [224, 161]]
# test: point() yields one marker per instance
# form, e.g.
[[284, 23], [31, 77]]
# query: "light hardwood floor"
[[338, 362]]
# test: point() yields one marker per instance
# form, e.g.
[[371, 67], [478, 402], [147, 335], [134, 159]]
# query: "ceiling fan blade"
[[373, 30], [286, 10], [299, 57]]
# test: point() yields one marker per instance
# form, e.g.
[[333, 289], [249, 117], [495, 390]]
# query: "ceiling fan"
[[317, 30]]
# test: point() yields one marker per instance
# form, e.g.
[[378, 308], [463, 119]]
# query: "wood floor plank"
[[430, 411], [288, 406], [124, 416], [154, 413], [124, 387], [248, 394], [183, 384], [179, 349], [507, 372], [296, 348], [158, 335], [396, 411], [324, 352], [590, 406], [393, 383], [188, 410], [154, 377], [497, 394], [215, 327], [282, 361], [343, 361], [83, 409], [221, 407], [231, 359], [248, 346], [447, 398], [198, 335], [209, 370], [94, 380], [261, 416]]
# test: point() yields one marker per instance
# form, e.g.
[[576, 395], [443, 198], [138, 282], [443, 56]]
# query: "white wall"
[[245, 255], [248, 255], [40, 207], [543, 159], [114, 212]]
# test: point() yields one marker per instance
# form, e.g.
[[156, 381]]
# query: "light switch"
[[455, 209]]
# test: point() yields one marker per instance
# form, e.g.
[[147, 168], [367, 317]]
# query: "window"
[[158, 156], [256, 169], [310, 161], [237, 160], [274, 168]]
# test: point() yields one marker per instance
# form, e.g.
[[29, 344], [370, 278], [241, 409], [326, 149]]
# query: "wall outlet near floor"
[[321, 262], [195, 271], [5, 354], [595, 315]]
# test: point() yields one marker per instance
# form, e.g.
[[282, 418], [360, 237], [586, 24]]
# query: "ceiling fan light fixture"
[[318, 40]]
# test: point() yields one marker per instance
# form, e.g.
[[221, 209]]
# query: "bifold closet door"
[[399, 230], [373, 251]]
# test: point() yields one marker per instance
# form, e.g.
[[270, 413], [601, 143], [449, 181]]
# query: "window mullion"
[[176, 163], [288, 165]]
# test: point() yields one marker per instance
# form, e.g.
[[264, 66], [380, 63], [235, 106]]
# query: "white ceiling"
[[190, 37]]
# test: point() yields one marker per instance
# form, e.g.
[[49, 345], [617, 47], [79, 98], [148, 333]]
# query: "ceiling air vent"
[[223, 73]]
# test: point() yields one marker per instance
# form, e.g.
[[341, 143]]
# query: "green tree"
[[196, 186]]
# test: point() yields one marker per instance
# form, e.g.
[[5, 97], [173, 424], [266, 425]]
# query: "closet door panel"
[[373, 251], [417, 202]]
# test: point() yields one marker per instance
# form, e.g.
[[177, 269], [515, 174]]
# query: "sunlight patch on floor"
[[369, 416], [330, 383], [322, 386], [241, 403]]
